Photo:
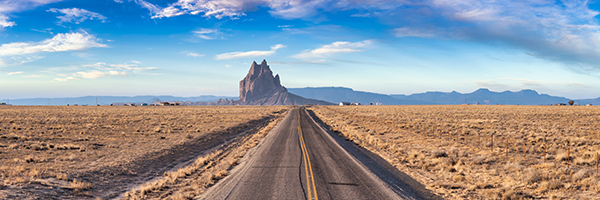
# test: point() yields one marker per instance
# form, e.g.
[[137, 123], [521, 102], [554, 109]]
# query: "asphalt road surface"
[[300, 160]]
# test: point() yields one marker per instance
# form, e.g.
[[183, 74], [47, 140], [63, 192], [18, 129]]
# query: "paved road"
[[299, 160]]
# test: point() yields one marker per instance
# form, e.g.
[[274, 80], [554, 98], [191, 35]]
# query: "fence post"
[[493, 141], [568, 156], [506, 146]]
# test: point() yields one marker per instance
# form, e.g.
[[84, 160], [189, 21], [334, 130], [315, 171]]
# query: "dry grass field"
[[482, 152], [89, 151]]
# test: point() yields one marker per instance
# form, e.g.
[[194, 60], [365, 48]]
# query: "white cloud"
[[4, 22], [334, 48], [210, 8], [207, 34], [193, 54], [246, 54], [15, 73], [60, 42], [94, 74], [76, 15], [104, 70]]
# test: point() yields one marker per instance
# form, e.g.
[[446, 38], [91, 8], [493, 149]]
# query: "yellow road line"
[[307, 166]]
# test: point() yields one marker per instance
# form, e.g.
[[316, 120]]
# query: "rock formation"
[[259, 87]]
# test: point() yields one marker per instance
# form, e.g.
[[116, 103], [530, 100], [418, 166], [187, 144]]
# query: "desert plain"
[[456, 151], [100, 151], [481, 151]]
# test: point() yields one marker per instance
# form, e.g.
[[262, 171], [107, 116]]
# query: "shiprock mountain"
[[260, 87]]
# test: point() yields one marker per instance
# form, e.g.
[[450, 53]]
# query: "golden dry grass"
[[193, 180], [481, 152], [51, 151]]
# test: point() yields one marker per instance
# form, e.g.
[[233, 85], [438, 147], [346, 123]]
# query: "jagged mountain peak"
[[260, 87]]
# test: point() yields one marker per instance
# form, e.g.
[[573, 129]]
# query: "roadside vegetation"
[[481, 152], [98, 151]]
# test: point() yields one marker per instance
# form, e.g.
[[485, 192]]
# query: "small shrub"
[[533, 176], [439, 154], [79, 185]]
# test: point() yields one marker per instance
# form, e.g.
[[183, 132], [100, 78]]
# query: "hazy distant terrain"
[[337, 94], [481, 96], [103, 100]]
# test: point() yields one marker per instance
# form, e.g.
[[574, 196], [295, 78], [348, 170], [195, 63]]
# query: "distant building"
[[144, 104], [560, 104], [170, 103], [589, 104], [344, 103]]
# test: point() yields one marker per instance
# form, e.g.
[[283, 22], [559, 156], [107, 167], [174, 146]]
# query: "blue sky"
[[67, 48]]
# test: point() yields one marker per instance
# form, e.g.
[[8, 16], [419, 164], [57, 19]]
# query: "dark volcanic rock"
[[260, 87]]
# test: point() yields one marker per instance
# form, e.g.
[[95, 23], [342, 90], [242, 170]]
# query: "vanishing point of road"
[[300, 160]]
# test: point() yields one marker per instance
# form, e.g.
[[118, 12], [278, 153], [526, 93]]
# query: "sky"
[[71, 48]]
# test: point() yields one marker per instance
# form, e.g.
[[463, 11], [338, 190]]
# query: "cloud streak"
[[15, 73], [76, 15], [59, 43], [249, 54], [207, 34], [104, 70], [334, 48]]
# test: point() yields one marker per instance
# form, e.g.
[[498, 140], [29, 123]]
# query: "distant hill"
[[485, 96], [481, 96], [331, 94], [337, 94], [595, 101], [103, 100]]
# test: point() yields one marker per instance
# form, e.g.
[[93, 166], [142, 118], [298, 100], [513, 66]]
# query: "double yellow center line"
[[307, 167]]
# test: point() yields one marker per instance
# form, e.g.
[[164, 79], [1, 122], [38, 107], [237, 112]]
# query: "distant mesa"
[[260, 87]]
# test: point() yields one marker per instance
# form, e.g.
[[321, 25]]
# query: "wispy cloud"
[[209, 8], [193, 54], [104, 70], [334, 48], [414, 32], [248, 54], [15, 73], [4, 22], [8, 6], [287, 9], [207, 34], [76, 15], [60, 42]]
